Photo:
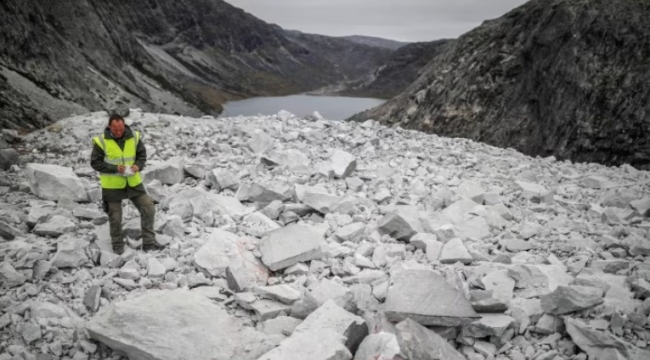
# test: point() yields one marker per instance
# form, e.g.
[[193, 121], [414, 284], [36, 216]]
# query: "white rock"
[[52, 182], [70, 253], [290, 245], [55, 226], [154, 326], [331, 316], [454, 251], [155, 269], [343, 163], [169, 173], [321, 344]]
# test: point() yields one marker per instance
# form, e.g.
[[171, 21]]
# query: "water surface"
[[330, 107]]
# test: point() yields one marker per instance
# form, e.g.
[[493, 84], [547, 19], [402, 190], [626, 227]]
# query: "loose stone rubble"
[[295, 238]]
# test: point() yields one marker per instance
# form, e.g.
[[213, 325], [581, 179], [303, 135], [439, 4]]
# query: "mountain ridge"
[[565, 78], [160, 55]]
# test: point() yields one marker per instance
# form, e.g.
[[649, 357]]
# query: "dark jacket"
[[98, 164]]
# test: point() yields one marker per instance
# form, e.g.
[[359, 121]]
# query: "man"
[[119, 155]]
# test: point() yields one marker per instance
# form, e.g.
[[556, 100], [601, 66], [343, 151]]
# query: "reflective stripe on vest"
[[116, 156]]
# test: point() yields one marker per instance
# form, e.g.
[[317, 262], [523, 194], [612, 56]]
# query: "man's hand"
[[135, 168], [120, 169]]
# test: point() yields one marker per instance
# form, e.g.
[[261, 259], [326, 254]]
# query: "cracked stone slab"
[[427, 298], [290, 245], [178, 324]]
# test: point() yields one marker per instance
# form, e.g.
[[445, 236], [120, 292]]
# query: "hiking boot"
[[152, 247], [118, 250]]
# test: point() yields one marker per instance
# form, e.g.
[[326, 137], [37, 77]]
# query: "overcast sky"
[[404, 20]]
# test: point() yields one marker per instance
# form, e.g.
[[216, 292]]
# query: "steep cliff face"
[[569, 78], [400, 70], [177, 56]]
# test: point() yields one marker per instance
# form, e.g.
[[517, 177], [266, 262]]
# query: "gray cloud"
[[405, 20]]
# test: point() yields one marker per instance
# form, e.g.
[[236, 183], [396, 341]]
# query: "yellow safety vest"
[[116, 156]]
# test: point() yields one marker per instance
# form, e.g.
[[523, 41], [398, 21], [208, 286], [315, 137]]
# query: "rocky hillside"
[[568, 78], [375, 41], [399, 71], [291, 239], [185, 57]]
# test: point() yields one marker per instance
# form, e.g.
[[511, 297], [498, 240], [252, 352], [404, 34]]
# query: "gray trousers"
[[145, 206]]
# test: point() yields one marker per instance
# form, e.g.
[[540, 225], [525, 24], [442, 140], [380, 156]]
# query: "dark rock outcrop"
[[185, 57], [568, 78], [398, 72]]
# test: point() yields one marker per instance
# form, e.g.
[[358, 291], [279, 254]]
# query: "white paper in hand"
[[128, 171]]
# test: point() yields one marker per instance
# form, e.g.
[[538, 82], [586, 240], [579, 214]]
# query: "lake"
[[330, 107]]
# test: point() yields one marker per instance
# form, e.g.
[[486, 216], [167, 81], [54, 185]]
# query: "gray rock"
[[169, 173], [268, 309], [91, 299], [516, 245], [223, 249], [31, 333], [238, 279], [70, 253], [489, 325], [343, 163], [471, 190], [284, 325], [8, 157], [260, 142], [10, 277], [290, 245], [642, 206], [52, 182], [9, 232], [195, 170], [283, 293], [455, 251], [401, 224], [154, 326], [55, 226], [118, 108], [292, 159], [321, 202], [331, 316], [155, 269], [418, 342], [263, 194], [601, 345], [535, 192], [427, 298], [320, 344], [221, 179], [567, 299], [378, 346]]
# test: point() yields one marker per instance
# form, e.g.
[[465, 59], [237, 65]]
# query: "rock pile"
[[312, 239]]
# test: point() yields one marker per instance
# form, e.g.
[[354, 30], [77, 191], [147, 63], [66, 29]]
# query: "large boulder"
[[292, 159], [224, 250], [170, 172], [290, 245], [602, 345], [53, 182], [321, 344], [55, 226], [426, 297], [70, 253], [343, 163], [331, 316], [198, 202], [402, 223], [8, 157], [418, 342], [179, 324]]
